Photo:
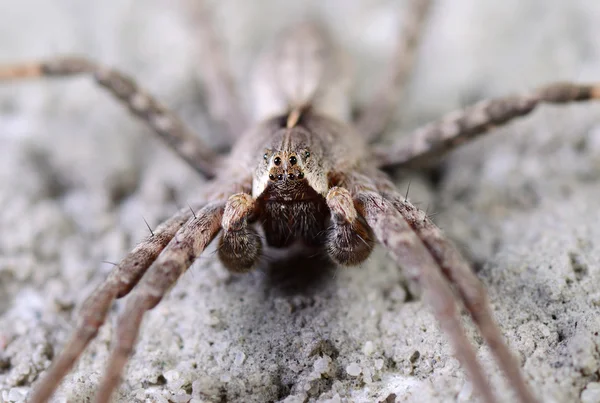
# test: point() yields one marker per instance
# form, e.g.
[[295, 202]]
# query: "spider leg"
[[468, 286], [240, 246], [438, 138], [187, 244], [349, 239], [95, 308], [121, 281], [164, 122], [470, 289], [376, 115], [223, 101], [409, 251]]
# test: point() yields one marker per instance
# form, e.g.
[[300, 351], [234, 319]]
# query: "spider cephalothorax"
[[302, 176]]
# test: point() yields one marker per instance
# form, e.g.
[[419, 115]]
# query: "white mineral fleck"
[[368, 348], [171, 375], [294, 399], [17, 394], [180, 398], [335, 399], [591, 393], [239, 359], [321, 365], [353, 369]]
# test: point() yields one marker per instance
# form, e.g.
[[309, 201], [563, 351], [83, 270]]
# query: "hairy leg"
[[468, 286], [121, 281], [349, 239], [223, 100], [459, 273], [438, 138], [95, 308], [407, 249], [377, 114], [240, 245], [164, 122], [187, 244]]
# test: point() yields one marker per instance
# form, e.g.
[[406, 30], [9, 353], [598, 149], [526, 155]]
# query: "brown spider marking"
[[303, 177]]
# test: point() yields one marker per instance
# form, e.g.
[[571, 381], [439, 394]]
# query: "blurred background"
[[78, 175]]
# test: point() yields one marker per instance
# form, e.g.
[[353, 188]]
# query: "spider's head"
[[291, 167]]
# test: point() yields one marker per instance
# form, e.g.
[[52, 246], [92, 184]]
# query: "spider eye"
[[293, 160], [277, 160], [306, 154], [265, 156]]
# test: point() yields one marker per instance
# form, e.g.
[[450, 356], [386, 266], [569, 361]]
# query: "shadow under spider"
[[297, 274]]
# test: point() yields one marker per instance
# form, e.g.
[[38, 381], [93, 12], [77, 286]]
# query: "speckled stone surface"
[[78, 175]]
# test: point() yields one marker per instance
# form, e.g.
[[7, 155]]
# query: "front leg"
[[240, 245], [349, 239]]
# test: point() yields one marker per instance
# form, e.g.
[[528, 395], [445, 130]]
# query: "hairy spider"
[[303, 176]]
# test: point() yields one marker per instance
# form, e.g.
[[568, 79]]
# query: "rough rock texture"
[[77, 175]]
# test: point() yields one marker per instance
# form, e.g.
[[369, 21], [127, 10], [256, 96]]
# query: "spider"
[[303, 176]]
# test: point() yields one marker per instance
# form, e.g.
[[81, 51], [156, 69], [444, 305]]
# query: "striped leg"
[[468, 287], [393, 231], [126, 275], [180, 253], [471, 291], [438, 138], [164, 122], [95, 308]]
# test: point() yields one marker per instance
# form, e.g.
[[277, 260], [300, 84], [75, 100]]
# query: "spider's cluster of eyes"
[[293, 160]]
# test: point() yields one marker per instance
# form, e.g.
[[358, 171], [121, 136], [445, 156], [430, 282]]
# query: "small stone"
[[379, 364], [466, 393], [239, 359], [335, 399], [295, 399], [591, 393], [140, 394], [171, 376], [369, 348], [17, 394], [353, 369], [180, 398], [158, 398], [321, 365], [213, 320], [367, 375]]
